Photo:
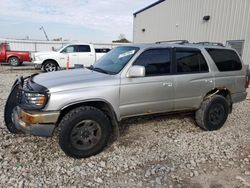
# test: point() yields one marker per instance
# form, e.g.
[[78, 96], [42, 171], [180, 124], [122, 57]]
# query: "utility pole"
[[41, 28]]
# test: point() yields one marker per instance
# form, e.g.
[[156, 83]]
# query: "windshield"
[[59, 49], [114, 61]]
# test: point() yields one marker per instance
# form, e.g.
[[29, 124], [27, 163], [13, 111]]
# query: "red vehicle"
[[14, 58]]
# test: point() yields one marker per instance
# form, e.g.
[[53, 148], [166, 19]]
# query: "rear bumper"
[[35, 123], [238, 97]]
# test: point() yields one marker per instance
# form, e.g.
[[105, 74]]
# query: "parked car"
[[84, 54], [88, 104], [14, 58]]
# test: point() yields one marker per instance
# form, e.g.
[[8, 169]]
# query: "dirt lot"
[[163, 151]]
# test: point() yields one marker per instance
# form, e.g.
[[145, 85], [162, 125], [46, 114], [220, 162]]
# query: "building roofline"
[[148, 7]]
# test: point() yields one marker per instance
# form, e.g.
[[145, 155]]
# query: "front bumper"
[[35, 123], [37, 64], [27, 118]]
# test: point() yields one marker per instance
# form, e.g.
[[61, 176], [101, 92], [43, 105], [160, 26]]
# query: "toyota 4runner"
[[87, 104]]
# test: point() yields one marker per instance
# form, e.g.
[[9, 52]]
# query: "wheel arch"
[[13, 56], [223, 91], [100, 104], [46, 60]]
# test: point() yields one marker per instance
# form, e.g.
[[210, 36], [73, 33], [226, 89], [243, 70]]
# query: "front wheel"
[[50, 66], [213, 113], [14, 61], [84, 132]]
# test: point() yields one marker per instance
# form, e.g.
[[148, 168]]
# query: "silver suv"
[[139, 79]]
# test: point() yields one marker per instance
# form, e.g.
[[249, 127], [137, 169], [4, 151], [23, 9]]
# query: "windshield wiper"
[[97, 69]]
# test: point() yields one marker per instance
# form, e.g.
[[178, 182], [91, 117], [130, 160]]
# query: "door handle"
[[90, 54], [169, 84], [73, 55]]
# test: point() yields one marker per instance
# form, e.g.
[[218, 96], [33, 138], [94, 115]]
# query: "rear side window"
[[190, 61], [102, 50], [225, 60], [156, 61], [83, 48]]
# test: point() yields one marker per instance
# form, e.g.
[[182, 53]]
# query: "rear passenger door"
[[85, 56], [152, 93], [193, 78]]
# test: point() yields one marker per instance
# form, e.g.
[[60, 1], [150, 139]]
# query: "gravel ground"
[[160, 151]]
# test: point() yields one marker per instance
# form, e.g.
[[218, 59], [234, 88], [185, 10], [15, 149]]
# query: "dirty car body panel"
[[127, 96]]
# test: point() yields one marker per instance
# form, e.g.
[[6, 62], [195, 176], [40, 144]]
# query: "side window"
[[102, 50], [69, 49], [7, 47], [156, 61], [190, 61], [225, 60], [83, 48]]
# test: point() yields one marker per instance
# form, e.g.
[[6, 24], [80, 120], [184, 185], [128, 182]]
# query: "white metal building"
[[224, 21]]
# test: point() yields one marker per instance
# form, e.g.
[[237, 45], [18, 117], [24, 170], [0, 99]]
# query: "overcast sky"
[[82, 20]]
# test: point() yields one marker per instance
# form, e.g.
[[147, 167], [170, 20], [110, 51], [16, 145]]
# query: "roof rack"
[[173, 41], [210, 43]]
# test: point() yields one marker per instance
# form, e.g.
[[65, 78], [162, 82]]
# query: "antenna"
[[41, 28]]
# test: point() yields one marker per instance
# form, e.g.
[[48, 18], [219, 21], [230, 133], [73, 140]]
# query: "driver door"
[[153, 93], [71, 53]]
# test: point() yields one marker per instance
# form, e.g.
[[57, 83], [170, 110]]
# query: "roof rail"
[[210, 43], [173, 41]]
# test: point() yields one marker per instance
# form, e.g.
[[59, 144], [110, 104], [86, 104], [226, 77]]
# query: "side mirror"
[[136, 71]]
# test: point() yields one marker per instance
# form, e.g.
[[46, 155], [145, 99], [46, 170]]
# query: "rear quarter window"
[[225, 60], [84, 48]]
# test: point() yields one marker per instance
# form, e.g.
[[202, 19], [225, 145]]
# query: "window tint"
[[190, 61], [225, 60], [155, 61], [70, 49], [83, 48]]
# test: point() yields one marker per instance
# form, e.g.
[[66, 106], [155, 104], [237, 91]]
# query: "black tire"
[[14, 61], [50, 66], [72, 128], [8, 112], [213, 113]]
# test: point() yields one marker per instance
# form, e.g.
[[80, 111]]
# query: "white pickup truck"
[[84, 54]]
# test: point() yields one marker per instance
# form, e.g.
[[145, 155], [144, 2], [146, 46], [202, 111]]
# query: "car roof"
[[175, 45]]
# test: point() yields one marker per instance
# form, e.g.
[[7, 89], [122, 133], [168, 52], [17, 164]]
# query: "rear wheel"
[[213, 113], [84, 132], [14, 61], [50, 66]]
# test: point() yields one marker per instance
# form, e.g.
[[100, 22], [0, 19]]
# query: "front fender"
[[107, 94]]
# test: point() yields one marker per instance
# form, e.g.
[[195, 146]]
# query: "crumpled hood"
[[73, 79]]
